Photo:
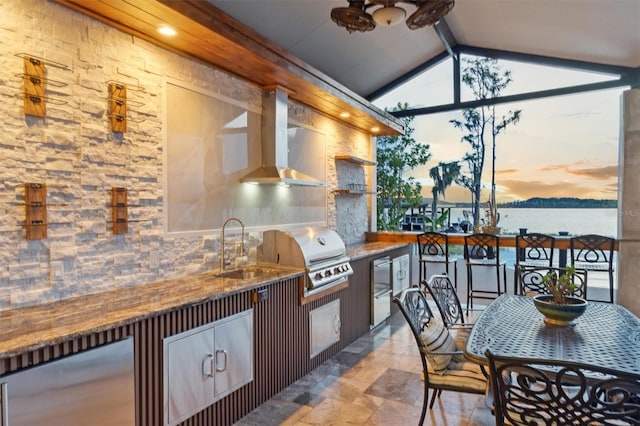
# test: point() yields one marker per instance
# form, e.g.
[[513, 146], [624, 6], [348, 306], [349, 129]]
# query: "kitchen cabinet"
[[204, 364], [324, 327], [92, 387], [400, 273]]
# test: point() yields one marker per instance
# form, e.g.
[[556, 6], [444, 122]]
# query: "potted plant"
[[560, 306]]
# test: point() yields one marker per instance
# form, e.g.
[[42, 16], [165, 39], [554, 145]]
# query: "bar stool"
[[593, 253], [433, 247], [483, 250], [532, 249]]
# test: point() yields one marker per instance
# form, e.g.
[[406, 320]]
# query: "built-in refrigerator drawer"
[[94, 387], [381, 307], [380, 290]]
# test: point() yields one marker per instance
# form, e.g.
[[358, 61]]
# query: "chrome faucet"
[[223, 263]]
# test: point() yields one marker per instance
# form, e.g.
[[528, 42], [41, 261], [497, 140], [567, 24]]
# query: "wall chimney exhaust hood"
[[275, 168]]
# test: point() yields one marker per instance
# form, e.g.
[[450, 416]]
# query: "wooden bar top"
[[562, 242]]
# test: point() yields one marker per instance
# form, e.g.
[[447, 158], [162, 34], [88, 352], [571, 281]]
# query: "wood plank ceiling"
[[209, 35]]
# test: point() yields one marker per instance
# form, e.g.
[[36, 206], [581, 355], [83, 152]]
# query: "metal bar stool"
[[483, 250], [433, 247], [594, 253]]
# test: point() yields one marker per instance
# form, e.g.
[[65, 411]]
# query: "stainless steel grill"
[[319, 250]]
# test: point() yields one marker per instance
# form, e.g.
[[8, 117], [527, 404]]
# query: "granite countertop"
[[358, 251], [28, 328]]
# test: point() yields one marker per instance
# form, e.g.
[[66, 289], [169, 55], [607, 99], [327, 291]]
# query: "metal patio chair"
[[443, 365], [533, 249], [530, 280], [549, 392]]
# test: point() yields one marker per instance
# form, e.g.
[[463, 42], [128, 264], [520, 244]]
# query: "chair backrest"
[[446, 298], [536, 248], [482, 247], [434, 341], [546, 392], [415, 309], [433, 244], [530, 279], [592, 250]]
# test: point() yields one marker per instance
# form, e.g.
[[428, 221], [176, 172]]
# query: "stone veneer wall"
[[74, 152]]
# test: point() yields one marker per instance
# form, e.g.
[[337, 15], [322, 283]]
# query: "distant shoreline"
[[555, 203]]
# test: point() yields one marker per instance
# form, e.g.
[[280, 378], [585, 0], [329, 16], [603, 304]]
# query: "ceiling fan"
[[355, 17]]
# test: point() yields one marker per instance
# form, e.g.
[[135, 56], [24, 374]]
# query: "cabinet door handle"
[[207, 361], [336, 324], [224, 365]]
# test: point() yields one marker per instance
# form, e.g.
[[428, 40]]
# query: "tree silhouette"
[[397, 155], [443, 175], [487, 81]]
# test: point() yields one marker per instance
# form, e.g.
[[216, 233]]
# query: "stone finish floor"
[[373, 381]]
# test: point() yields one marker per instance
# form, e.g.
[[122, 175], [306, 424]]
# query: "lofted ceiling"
[[599, 31], [294, 44]]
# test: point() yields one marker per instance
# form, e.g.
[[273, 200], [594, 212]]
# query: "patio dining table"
[[606, 334]]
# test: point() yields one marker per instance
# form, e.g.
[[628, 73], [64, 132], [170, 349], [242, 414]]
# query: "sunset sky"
[[565, 146]]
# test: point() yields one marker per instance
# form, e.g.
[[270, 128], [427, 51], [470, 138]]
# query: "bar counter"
[[561, 243]]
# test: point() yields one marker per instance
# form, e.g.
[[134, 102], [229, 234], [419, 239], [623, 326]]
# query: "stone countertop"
[[358, 251], [29, 328]]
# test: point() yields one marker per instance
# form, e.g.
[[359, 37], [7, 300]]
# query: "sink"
[[246, 272]]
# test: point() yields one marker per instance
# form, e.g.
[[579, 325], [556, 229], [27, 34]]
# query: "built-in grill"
[[319, 250]]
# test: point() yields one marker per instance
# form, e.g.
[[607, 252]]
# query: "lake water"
[[552, 221]]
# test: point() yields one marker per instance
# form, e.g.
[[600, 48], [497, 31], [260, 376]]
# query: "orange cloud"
[[506, 171], [600, 173]]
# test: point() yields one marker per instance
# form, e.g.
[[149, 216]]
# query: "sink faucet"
[[223, 262]]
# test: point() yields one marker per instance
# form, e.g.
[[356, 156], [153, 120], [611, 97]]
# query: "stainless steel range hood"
[[275, 168]]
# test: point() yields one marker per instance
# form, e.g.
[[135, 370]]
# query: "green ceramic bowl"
[[559, 314]]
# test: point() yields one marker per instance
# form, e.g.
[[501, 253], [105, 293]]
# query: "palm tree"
[[443, 175]]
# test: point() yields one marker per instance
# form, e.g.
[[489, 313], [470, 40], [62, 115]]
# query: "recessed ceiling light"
[[375, 129], [166, 30], [345, 114]]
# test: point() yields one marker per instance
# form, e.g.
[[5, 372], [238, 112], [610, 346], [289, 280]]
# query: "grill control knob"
[[318, 276], [327, 274]]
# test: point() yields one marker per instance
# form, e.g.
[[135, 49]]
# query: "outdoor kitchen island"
[[152, 312]]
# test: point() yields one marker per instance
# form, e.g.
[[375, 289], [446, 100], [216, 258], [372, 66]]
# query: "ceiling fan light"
[[389, 15], [352, 18], [429, 13]]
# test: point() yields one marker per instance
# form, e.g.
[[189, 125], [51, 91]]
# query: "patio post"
[[629, 202]]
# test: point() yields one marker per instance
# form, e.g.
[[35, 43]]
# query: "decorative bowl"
[[556, 314]]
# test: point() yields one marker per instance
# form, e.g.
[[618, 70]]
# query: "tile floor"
[[374, 381]]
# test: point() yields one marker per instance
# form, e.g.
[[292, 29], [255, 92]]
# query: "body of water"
[[552, 221]]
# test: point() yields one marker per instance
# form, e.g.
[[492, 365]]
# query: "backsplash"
[[73, 151]]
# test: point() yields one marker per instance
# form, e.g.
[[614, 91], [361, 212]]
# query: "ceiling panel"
[[601, 31]]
